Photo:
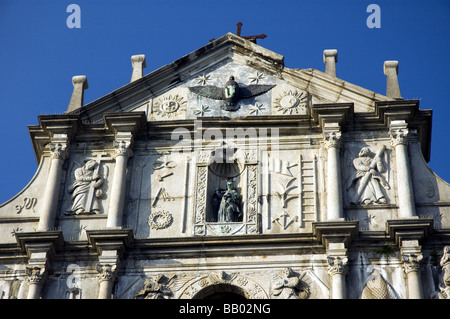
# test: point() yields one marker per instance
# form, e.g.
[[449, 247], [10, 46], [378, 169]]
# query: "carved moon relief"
[[291, 102]]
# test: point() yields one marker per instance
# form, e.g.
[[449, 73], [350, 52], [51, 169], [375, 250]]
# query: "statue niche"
[[227, 205], [224, 203]]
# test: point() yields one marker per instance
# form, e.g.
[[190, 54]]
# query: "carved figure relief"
[[288, 285], [86, 189], [445, 264], [368, 178], [231, 92], [156, 288]]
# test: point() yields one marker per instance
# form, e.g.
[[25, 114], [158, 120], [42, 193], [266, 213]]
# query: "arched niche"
[[225, 172], [215, 170]]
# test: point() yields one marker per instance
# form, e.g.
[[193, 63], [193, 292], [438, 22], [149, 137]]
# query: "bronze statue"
[[231, 93], [227, 204]]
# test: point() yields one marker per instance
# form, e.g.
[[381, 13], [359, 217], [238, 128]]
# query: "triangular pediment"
[[173, 92]]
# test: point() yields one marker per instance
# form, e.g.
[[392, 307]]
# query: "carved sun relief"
[[170, 106], [291, 102]]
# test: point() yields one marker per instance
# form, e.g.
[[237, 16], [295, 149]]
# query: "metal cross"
[[248, 37]]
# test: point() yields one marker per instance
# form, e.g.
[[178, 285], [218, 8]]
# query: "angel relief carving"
[[288, 285], [156, 288]]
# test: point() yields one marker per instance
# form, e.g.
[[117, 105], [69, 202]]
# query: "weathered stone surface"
[[329, 191]]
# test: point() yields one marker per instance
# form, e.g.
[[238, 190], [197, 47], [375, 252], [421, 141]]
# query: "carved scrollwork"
[[36, 275], [337, 265], [28, 204], [106, 272], [412, 262], [399, 136], [196, 286], [58, 150], [122, 147], [332, 139]]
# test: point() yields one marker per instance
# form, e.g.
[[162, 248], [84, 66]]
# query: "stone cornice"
[[52, 127], [336, 232], [48, 241], [409, 229], [117, 239]]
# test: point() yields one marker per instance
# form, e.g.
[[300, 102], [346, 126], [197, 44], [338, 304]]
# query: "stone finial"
[[390, 69], [80, 84], [330, 58], [138, 63]]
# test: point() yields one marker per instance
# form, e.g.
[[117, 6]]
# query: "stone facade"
[[226, 172]]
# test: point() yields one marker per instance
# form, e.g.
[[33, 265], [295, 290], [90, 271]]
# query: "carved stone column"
[[412, 258], [122, 145], [58, 154], [337, 269], [107, 276], [332, 143], [399, 140], [37, 275]]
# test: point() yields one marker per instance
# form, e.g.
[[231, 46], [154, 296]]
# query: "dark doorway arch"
[[221, 292]]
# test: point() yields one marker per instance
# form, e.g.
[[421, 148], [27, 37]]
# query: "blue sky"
[[39, 54]]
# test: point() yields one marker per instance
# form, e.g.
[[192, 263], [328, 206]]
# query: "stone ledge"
[[409, 229], [110, 239], [335, 232], [48, 241]]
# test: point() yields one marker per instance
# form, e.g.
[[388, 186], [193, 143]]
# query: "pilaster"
[[337, 269], [331, 118], [399, 139], [412, 257], [40, 247], [110, 245], [336, 237], [125, 127]]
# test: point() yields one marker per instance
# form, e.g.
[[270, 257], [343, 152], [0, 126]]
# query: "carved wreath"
[[160, 219]]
